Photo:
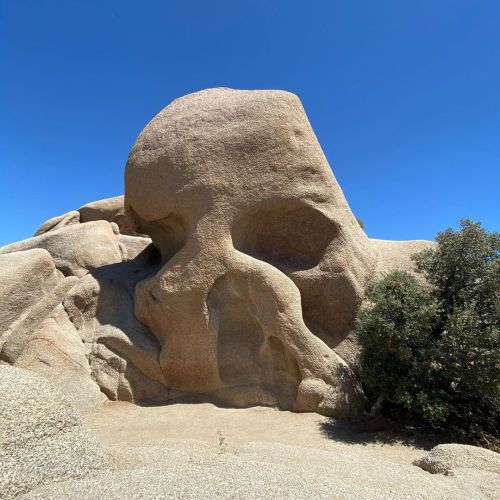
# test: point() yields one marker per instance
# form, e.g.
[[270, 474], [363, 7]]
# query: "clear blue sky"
[[403, 95]]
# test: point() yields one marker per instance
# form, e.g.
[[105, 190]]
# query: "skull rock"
[[263, 264]]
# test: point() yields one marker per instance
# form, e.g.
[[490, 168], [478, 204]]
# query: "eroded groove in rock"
[[294, 237], [280, 371], [239, 335], [329, 304], [121, 380], [168, 234], [123, 352], [247, 354]]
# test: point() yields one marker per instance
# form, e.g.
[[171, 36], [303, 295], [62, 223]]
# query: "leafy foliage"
[[434, 348]]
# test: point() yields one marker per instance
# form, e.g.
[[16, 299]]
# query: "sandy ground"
[[202, 451], [125, 424]]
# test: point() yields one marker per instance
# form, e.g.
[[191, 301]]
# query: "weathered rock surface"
[[200, 451], [56, 352], [35, 331], [224, 181], [110, 209], [397, 254], [250, 292], [122, 353], [25, 279], [132, 246], [446, 458], [57, 222], [76, 248], [42, 438]]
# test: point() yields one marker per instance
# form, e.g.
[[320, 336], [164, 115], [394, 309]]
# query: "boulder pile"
[[232, 269]]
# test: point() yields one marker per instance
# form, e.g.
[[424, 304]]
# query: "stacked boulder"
[[67, 308]]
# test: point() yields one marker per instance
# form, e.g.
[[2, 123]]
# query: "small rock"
[[445, 458]]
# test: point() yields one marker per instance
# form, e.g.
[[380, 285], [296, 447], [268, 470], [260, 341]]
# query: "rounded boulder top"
[[224, 142]]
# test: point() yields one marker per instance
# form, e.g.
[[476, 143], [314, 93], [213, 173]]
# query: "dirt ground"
[[125, 424]]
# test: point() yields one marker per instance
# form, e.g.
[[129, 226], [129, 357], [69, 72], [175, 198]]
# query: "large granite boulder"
[[110, 209], [26, 279], [80, 334], [35, 331], [76, 248], [42, 437], [263, 263], [393, 255], [59, 221]]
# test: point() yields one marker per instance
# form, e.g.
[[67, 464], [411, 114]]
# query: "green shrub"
[[434, 349]]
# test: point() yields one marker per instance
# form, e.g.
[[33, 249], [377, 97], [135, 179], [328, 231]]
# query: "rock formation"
[[42, 438], [246, 292], [448, 458]]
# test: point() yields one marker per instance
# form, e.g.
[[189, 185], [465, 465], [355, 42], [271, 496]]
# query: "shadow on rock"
[[380, 430]]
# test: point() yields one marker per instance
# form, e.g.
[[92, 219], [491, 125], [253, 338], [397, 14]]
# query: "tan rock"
[[262, 257], [251, 289], [122, 353], [42, 438], [447, 458], [132, 246], [30, 288], [397, 254], [35, 332], [25, 278], [58, 222], [110, 209], [92, 346], [56, 352], [76, 248]]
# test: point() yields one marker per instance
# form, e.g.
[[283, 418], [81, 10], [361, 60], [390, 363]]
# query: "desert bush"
[[433, 346]]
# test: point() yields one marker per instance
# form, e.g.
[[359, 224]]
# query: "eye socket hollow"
[[168, 235], [290, 235]]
